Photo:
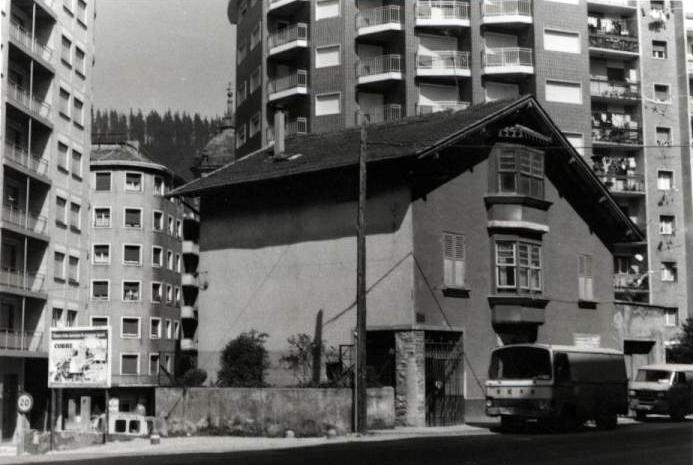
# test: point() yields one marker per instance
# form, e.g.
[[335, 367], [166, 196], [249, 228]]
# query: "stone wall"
[[410, 401], [267, 411]]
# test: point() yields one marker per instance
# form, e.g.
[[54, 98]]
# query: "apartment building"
[[47, 55], [607, 71]]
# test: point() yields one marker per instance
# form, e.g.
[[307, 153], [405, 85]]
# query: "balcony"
[[22, 100], [188, 312], [26, 221], [295, 127], [507, 60], [633, 287], [285, 7], [188, 345], [22, 341], [190, 248], [288, 86], [428, 108], [290, 38], [446, 63], [690, 64], [506, 11], [189, 280], [613, 37], [16, 279], [379, 69], [18, 156], [23, 39], [624, 185], [380, 114], [613, 91], [613, 6], [615, 129], [379, 20], [442, 13]]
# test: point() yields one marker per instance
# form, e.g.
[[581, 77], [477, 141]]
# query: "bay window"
[[518, 267], [521, 172]]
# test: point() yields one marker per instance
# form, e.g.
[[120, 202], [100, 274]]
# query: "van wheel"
[[640, 416], [678, 414], [607, 422]]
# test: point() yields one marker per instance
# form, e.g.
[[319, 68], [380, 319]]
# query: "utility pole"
[[361, 425]]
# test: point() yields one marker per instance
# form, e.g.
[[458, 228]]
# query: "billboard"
[[79, 357]]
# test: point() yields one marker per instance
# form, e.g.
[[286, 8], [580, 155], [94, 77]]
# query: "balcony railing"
[[425, 109], [634, 183], [289, 34], [26, 341], [442, 10], [379, 65], [294, 127], [619, 35], [23, 37], [28, 281], [134, 380], [631, 284], [30, 221], [22, 98], [298, 79], [499, 8], [615, 89], [615, 128], [444, 61], [380, 114], [507, 56], [379, 16], [20, 155]]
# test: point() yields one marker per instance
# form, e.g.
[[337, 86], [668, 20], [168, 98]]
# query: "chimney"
[[279, 130]]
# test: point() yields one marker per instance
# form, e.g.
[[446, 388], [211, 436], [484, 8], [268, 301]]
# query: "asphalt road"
[[652, 443]]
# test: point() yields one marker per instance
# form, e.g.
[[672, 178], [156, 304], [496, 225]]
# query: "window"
[[326, 9], [159, 186], [82, 12], [671, 317], [59, 266], [169, 294], [657, 5], [176, 296], [327, 104], [661, 93], [585, 280], [169, 329], [102, 217], [157, 256], [75, 216], [76, 164], [60, 211], [133, 182], [102, 181], [327, 56], [99, 321], [157, 292], [155, 328], [80, 57], [77, 112], [62, 157], [158, 221], [129, 364], [565, 92], [131, 291], [242, 51], [178, 263], [664, 136], [64, 104], [168, 362], [57, 320], [453, 260], [241, 93], [176, 330], [133, 218], [169, 260], [179, 229], [101, 254], [666, 224], [521, 172], [254, 124], [171, 226], [71, 319], [153, 364], [669, 272], [255, 80], [255, 36], [242, 9], [561, 41], [65, 50], [240, 136], [73, 269], [659, 49], [518, 267], [665, 180], [132, 254], [99, 290]]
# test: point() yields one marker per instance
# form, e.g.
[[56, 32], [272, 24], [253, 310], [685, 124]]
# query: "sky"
[[161, 54]]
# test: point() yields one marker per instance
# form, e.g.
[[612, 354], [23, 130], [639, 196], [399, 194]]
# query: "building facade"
[[136, 265], [607, 71], [47, 56]]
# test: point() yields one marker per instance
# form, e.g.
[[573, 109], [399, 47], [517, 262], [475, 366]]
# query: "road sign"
[[25, 402]]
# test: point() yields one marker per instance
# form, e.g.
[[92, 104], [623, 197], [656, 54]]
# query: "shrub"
[[682, 352], [194, 377], [244, 361]]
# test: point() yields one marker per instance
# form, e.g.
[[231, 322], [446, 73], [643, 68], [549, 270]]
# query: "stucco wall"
[[268, 411]]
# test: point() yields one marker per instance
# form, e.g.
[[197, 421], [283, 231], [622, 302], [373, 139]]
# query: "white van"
[[562, 385], [665, 389]]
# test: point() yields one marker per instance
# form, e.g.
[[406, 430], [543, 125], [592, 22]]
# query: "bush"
[[194, 377], [244, 361], [682, 352], [299, 359]]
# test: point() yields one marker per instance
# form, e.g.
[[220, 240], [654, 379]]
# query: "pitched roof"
[[118, 153]]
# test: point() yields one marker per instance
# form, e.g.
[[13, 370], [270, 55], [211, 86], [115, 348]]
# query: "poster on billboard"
[[79, 357]]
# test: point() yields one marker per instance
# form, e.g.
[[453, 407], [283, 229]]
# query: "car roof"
[[668, 367], [566, 348]]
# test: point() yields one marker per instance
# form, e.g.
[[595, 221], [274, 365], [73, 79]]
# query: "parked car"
[[662, 389], [560, 385]]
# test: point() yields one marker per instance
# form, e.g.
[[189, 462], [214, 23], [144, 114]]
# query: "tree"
[[299, 359], [244, 361], [194, 377], [682, 351]]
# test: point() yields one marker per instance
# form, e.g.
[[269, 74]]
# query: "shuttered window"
[[454, 269], [130, 328], [585, 278], [129, 364]]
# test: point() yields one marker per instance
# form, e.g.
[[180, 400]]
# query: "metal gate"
[[444, 382]]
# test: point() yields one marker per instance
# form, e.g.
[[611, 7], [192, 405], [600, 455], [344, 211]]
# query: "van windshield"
[[520, 363], [653, 376]]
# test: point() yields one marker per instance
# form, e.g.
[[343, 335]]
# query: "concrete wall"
[[268, 411]]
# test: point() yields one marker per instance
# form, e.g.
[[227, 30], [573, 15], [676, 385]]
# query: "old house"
[[484, 227]]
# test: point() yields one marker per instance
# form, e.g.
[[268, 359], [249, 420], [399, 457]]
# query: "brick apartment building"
[[611, 73]]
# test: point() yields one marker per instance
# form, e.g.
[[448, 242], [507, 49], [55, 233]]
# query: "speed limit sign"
[[25, 402]]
